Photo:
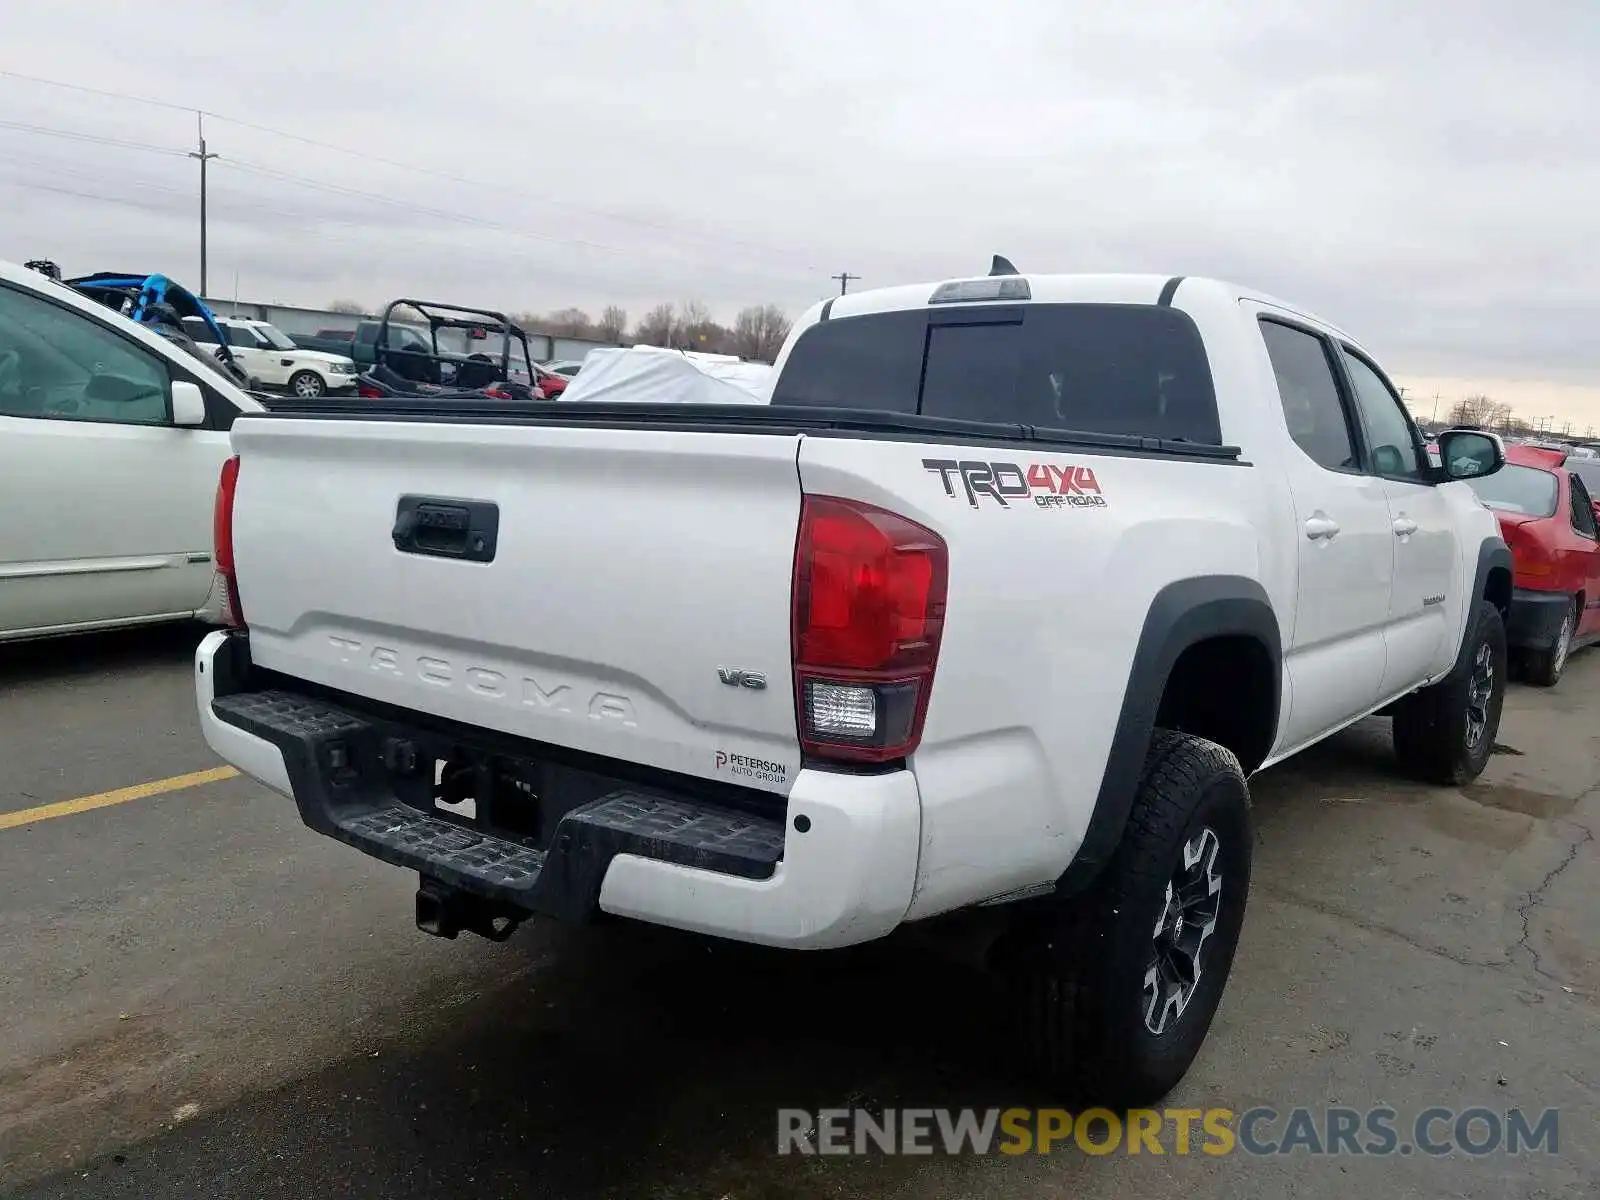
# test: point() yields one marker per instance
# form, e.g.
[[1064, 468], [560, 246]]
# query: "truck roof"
[[1060, 289]]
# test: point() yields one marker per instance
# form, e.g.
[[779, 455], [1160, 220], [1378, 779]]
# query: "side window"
[[56, 363], [242, 336], [1582, 508], [1315, 414], [199, 331], [1393, 436]]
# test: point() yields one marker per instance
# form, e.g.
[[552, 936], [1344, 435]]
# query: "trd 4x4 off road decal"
[[1048, 485]]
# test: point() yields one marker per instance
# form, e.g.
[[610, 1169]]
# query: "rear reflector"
[[368, 392], [222, 541], [869, 598]]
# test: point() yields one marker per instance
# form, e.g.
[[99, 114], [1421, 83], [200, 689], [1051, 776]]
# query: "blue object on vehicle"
[[146, 292], [161, 305]]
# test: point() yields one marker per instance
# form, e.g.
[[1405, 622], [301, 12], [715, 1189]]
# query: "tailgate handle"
[[445, 528]]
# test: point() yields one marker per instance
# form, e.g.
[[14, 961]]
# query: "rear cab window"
[[1517, 489], [1129, 369]]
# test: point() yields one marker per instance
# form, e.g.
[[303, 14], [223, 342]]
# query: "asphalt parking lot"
[[201, 998]]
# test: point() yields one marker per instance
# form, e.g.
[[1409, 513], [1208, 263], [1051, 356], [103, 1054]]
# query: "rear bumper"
[[1535, 620], [834, 865]]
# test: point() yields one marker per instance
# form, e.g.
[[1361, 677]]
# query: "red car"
[[551, 384], [1549, 521]]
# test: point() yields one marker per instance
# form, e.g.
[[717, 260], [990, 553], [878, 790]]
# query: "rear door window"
[[1582, 507], [1312, 409], [1130, 369]]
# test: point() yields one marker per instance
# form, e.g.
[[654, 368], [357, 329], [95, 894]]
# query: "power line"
[[78, 87], [419, 209], [238, 206], [553, 201], [794, 271], [61, 191], [79, 136]]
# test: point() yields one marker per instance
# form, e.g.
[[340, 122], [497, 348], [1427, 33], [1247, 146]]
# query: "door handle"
[[1318, 528], [1404, 527], [466, 529]]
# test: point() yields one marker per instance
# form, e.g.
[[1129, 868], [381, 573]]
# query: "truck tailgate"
[[639, 584]]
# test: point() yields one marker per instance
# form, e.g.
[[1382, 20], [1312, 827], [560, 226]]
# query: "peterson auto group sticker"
[[1004, 483]]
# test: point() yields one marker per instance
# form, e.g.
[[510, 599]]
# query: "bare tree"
[[1479, 409], [612, 325], [352, 307], [696, 330], [759, 332], [659, 326], [568, 322]]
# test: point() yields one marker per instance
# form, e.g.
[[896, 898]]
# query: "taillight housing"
[[868, 612], [1531, 559], [368, 391], [222, 542]]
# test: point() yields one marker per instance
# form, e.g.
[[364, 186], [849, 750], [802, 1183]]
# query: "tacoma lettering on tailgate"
[[545, 695]]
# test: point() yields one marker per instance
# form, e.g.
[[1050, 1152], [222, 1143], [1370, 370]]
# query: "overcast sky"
[[1426, 174]]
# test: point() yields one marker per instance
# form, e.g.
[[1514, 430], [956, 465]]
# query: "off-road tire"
[[1543, 668], [1433, 737], [1078, 967]]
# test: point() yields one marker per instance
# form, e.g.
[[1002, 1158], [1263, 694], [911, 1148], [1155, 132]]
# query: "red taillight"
[[222, 540], [869, 597], [368, 391], [1529, 556]]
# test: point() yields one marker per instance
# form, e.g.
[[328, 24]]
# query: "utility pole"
[[844, 278], [200, 129]]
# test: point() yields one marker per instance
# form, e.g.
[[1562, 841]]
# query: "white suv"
[[273, 361]]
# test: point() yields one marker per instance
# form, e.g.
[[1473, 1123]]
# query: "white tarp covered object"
[[651, 375]]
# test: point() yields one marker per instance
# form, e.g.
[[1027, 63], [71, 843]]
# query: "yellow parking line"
[[139, 791]]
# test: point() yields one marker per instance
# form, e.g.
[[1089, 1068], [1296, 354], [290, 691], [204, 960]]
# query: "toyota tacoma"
[[991, 613]]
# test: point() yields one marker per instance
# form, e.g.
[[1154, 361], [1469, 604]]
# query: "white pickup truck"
[[991, 612]]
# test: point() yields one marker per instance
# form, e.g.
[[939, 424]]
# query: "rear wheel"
[[1117, 988], [1544, 667], [307, 384], [1445, 733]]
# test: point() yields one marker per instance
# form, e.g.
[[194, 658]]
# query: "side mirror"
[[188, 404], [1386, 460], [1470, 453], [1595, 504]]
